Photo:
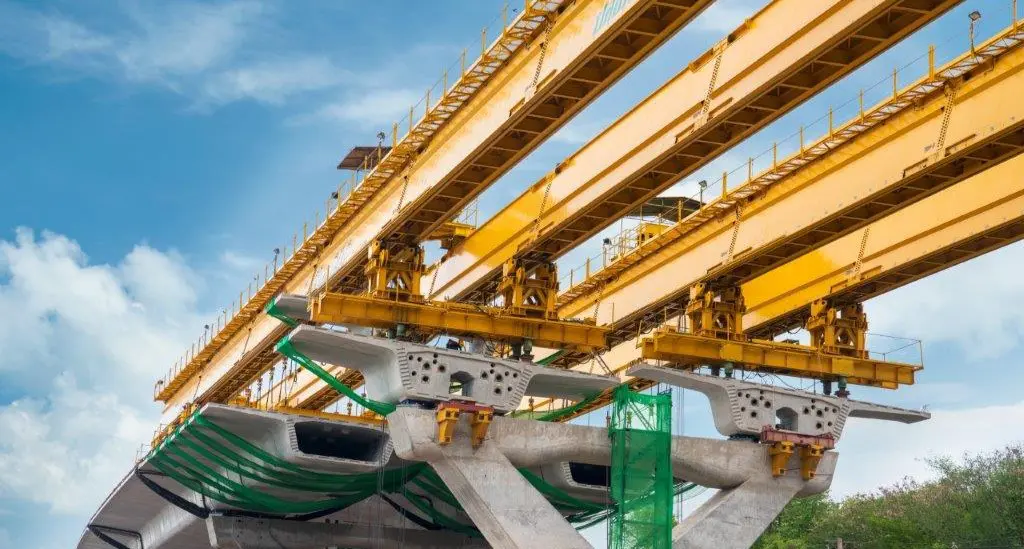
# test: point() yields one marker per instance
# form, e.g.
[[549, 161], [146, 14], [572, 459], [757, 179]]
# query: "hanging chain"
[[543, 202], [540, 59], [706, 106], [860, 254], [735, 233], [947, 114], [401, 198]]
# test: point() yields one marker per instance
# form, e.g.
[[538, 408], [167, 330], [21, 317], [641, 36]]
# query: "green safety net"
[[211, 460], [641, 471], [286, 348]]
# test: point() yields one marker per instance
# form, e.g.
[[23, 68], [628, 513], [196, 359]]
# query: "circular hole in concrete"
[[435, 355], [767, 404], [483, 375], [497, 390], [819, 413], [441, 368], [743, 408], [515, 375], [807, 410], [426, 366], [498, 378], [509, 388], [753, 402], [819, 425], [830, 424], [425, 379], [753, 413]]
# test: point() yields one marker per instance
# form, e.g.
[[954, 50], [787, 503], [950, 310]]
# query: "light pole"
[[975, 17]]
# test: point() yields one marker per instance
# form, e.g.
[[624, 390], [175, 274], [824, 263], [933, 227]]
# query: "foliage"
[[973, 503]]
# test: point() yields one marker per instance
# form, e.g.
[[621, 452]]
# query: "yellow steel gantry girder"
[[457, 319], [875, 173], [499, 110], [777, 59], [976, 216], [772, 24]]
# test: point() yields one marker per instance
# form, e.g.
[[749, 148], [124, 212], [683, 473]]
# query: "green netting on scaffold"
[[641, 472]]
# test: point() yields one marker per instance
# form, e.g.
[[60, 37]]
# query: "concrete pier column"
[[506, 508], [735, 517]]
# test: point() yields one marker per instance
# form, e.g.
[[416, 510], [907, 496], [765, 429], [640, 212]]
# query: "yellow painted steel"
[[872, 175], [772, 357], [456, 319], [586, 49], [978, 215], [781, 56]]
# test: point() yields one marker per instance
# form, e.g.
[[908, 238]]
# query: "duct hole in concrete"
[[786, 418], [585, 473], [339, 441], [461, 383]]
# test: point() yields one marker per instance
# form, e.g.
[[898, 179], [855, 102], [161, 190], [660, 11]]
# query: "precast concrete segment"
[[300, 439], [253, 533], [783, 55], [736, 517], [528, 443], [396, 371], [591, 44], [508, 510], [745, 408]]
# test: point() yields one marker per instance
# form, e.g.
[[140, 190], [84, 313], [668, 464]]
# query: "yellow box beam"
[[456, 319], [876, 174], [772, 357], [978, 215], [782, 56], [587, 50]]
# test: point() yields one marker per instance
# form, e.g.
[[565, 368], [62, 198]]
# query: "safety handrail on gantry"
[[514, 38], [909, 96]]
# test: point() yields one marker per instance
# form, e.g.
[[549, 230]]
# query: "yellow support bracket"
[[457, 319], [447, 418], [792, 359], [779, 453], [481, 422], [810, 455]]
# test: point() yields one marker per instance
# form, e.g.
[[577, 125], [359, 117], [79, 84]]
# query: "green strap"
[[272, 310], [286, 348]]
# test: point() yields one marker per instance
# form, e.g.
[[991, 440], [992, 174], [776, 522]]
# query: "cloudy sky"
[[156, 152]]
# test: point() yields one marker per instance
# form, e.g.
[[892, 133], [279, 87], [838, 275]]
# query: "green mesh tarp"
[[641, 471]]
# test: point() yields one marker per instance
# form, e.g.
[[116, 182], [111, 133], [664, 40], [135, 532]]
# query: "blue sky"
[[155, 153]]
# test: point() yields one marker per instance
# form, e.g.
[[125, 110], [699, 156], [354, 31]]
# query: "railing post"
[[801, 139], [895, 83], [750, 168], [483, 42], [775, 155], [831, 126], [862, 105], [725, 183], [463, 63], [931, 61]]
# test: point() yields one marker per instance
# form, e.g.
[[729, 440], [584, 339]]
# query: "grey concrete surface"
[[250, 533]]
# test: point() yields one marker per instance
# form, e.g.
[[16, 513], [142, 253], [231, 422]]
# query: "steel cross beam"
[[587, 49], [456, 319], [783, 55]]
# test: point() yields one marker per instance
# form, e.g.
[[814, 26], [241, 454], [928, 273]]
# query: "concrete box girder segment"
[[253, 533], [831, 197], [745, 408], [396, 371], [783, 55], [589, 46]]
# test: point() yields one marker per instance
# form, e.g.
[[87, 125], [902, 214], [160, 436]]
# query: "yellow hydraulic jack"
[[448, 417], [780, 452]]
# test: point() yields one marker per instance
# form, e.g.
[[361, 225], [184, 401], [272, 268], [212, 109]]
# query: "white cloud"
[[377, 106], [84, 348], [879, 453], [273, 82], [972, 306]]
